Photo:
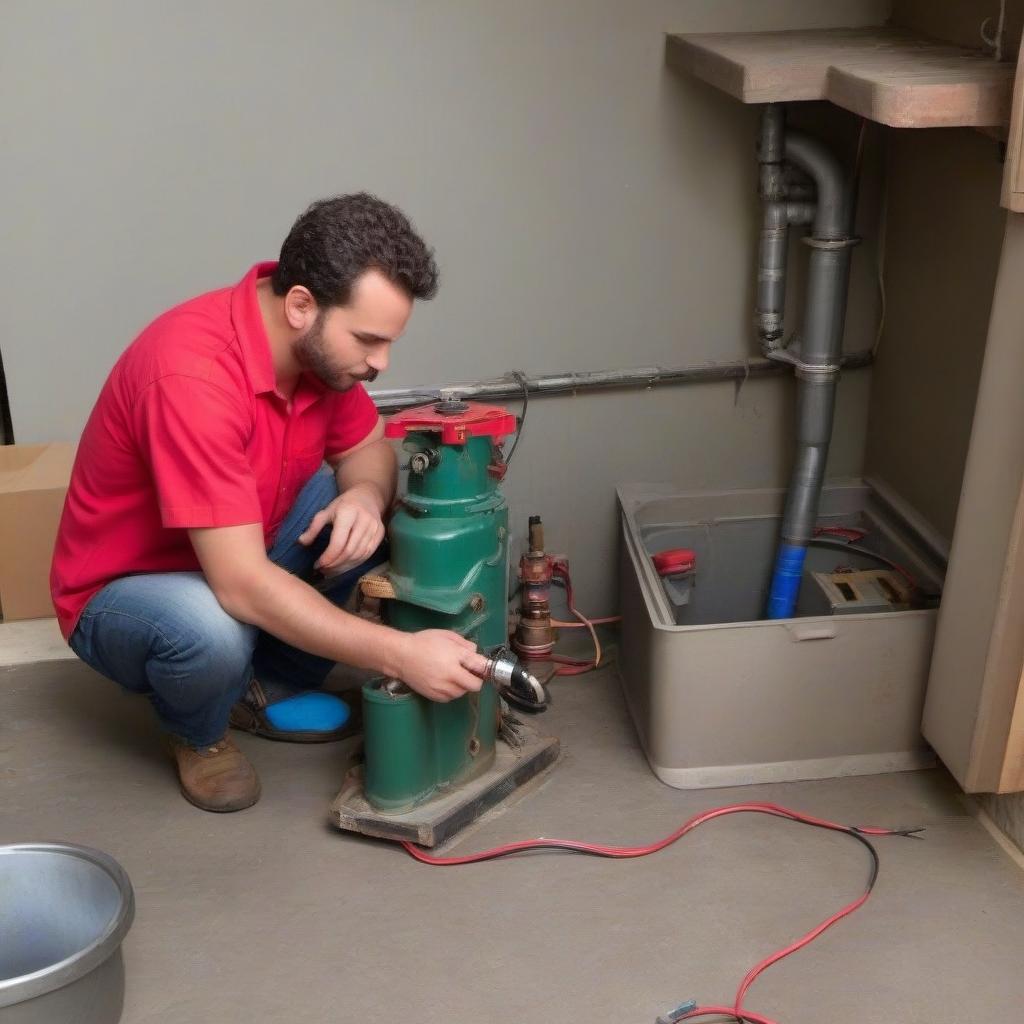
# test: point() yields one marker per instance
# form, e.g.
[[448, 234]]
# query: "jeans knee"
[[207, 662], [215, 653]]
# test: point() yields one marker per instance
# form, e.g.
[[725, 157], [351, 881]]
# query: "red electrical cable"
[[853, 536], [572, 666], [850, 533], [625, 852], [725, 1011], [606, 620], [575, 670]]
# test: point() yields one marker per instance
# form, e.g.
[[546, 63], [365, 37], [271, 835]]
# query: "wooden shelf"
[[884, 74]]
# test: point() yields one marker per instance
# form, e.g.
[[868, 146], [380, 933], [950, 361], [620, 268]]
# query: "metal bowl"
[[64, 911]]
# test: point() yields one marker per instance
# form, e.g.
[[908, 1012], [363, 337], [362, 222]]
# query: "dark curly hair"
[[338, 239]]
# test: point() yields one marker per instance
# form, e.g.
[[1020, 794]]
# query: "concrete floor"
[[269, 915]]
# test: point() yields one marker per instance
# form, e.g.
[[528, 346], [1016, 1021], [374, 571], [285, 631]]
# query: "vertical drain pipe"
[[818, 356], [779, 214]]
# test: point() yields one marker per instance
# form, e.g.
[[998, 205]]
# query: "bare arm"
[[370, 466], [367, 477], [436, 663]]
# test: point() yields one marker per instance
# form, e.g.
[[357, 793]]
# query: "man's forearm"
[[436, 663], [373, 469], [281, 604]]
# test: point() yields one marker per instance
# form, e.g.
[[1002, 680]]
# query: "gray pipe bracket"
[[820, 373], [831, 244]]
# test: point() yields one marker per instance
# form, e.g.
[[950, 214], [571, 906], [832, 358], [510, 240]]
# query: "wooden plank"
[[437, 820], [1012, 197], [888, 75], [1011, 779]]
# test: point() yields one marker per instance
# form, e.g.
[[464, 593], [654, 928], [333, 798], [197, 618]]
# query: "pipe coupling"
[[768, 324], [822, 373], [772, 186], [831, 244], [800, 213]]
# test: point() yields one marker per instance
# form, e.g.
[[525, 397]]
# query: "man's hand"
[[440, 665], [356, 529]]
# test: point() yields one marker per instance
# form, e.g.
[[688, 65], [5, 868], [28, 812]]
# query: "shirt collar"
[[252, 334], [252, 337]]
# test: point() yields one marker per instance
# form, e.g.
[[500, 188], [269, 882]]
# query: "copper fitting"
[[535, 636]]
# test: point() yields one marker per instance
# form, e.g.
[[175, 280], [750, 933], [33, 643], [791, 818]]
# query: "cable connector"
[[678, 1013], [906, 832], [909, 833]]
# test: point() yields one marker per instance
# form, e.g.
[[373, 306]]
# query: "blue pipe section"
[[789, 570]]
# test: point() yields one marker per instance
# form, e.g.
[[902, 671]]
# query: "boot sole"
[[220, 810]]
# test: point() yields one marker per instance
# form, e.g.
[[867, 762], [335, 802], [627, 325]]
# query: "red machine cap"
[[454, 421], [675, 560]]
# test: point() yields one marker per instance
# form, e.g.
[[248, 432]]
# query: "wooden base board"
[[436, 821]]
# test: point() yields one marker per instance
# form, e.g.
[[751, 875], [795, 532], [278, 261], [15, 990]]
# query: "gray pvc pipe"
[[779, 213], [390, 400], [774, 241], [832, 219], [822, 335], [771, 266]]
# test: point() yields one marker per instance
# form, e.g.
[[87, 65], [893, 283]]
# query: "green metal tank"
[[449, 570]]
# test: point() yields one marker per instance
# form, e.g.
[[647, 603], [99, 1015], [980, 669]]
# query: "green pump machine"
[[428, 769]]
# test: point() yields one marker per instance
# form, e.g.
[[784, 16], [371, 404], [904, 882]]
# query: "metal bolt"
[[419, 463], [476, 603]]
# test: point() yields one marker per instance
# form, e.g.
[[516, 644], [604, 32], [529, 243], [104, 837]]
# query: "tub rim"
[[65, 972]]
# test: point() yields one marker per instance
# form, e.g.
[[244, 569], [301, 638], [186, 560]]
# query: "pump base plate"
[[436, 820]]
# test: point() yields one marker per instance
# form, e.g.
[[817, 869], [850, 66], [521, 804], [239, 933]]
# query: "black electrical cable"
[[520, 378], [6, 424], [842, 545]]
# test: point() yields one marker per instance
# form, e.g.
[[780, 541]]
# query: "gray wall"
[[944, 231], [589, 209], [944, 235]]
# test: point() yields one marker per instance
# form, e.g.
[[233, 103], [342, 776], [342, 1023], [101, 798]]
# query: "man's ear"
[[300, 308]]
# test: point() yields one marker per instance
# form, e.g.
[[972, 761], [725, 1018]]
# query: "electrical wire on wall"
[[995, 41], [858, 166], [520, 378], [883, 215]]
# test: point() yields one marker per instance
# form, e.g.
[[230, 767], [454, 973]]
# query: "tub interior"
[[53, 905], [735, 556]]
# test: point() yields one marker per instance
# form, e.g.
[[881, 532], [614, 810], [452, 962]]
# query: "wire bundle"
[[736, 1011]]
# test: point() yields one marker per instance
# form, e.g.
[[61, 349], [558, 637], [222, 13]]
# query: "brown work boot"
[[216, 778]]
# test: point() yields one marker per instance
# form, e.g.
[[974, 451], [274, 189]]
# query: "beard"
[[312, 355]]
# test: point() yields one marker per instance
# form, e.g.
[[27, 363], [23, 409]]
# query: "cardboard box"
[[33, 481]]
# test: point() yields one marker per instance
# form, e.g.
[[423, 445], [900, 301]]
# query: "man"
[[198, 512]]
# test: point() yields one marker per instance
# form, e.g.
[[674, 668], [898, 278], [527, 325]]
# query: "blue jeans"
[[165, 635]]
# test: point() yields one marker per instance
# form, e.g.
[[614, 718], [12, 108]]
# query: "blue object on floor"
[[309, 712]]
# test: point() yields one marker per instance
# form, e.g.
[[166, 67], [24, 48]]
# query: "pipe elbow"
[[832, 218]]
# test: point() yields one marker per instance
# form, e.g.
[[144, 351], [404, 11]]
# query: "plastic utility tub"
[[64, 911], [721, 697]]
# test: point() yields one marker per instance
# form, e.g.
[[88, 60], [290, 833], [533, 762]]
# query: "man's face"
[[346, 344]]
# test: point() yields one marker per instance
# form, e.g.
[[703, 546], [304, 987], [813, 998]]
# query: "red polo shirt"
[[190, 431]]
